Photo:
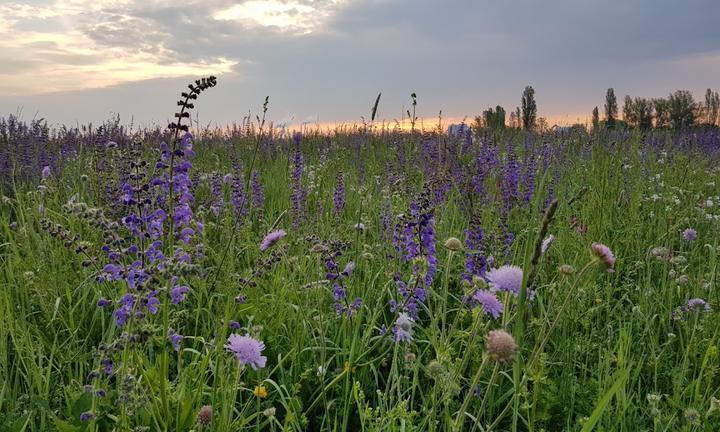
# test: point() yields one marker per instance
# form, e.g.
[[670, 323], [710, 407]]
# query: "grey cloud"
[[459, 55]]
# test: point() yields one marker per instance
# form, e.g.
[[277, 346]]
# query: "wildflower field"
[[369, 279]]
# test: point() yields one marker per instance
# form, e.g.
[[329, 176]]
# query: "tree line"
[[679, 110]]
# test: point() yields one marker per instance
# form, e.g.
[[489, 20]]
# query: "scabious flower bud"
[[435, 369], [453, 244], [500, 346], [204, 417], [479, 282]]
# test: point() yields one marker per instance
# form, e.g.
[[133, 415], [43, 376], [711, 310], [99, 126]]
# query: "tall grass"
[[597, 350]]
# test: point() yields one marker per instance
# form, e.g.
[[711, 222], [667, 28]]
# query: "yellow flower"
[[598, 301], [260, 392], [346, 367]]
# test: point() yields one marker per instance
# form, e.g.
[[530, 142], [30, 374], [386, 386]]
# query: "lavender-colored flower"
[[237, 195], [507, 278], [689, 234], [87, 416], [475, 262], [46, 172], [489, 302], [177, 293], [271, 238], [403, 328], [247, 350], [108, 367], [234, 325], [258, 194], [174, 338], [103, 302], [606, 256], [698, 305], [298, 192]]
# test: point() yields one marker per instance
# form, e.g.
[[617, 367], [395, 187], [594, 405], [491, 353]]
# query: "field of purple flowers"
[[369, 279]]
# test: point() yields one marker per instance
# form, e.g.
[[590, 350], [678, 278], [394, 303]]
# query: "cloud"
[[329, 58], [94, 45]]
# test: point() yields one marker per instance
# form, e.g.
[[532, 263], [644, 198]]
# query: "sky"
[[325, 61]]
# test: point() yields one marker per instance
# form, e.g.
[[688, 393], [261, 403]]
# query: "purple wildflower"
[[298, 193], [271, 238], [258, 195], [507, 278], [177, 294], [489, 302], [689, 234], [606, 256], [87, 416], [698, 305], [403, 328], [475, 262], [174, 338], [45, 172], [247, 350]]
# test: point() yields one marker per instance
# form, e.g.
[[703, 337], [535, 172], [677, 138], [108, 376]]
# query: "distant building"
[[458, 130]]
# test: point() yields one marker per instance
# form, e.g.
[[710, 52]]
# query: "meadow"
[[364, 279]]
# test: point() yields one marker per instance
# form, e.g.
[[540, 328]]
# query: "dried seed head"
[[500, 346]]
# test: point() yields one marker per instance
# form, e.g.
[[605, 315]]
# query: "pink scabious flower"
[[605, 254], [507, 278], [204, 417], [271, 238], [689, 234], [247, 350]]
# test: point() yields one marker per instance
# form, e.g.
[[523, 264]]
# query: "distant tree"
[[712, 107], [518, 116], [682, 109], [513, 120], [479, 123], [529, 108], [638, 112], [595, 118], [611, 108], [494, 118], [662, 112], [643, 112], [628, 114], [542, 124]]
